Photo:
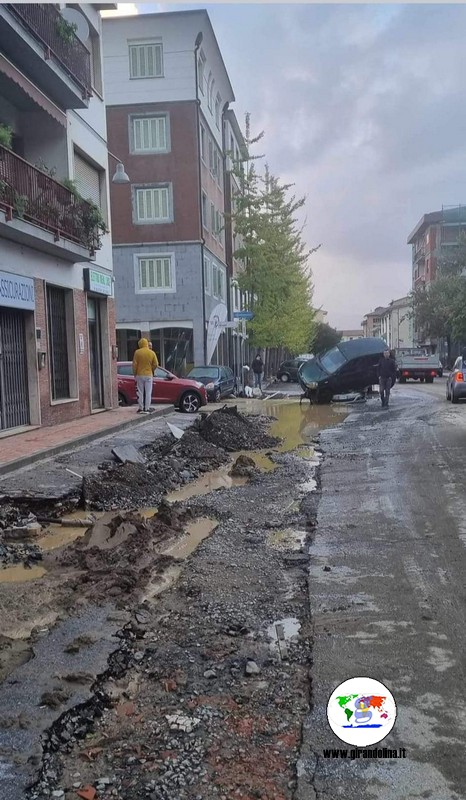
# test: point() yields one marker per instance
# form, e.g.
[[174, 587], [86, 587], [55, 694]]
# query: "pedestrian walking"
[[258, 369], [386, 371], [145, 363]]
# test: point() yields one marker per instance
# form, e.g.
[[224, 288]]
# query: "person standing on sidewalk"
[[258, 369], [145, 363], [387, 376]]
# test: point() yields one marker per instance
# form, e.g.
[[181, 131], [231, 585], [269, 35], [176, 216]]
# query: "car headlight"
[[199, 385], [210, 386], [313, 385]]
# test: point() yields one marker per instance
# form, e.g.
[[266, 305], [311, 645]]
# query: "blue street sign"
[[243, 314]]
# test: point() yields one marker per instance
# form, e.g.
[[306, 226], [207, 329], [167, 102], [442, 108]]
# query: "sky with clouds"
[[363, 109]]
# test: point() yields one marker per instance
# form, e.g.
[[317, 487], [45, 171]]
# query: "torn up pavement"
[[158, 677]]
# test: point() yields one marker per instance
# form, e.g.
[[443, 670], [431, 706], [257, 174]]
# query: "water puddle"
[[297, 424], [58, 536], [20, 574], [196, 532], [281, 632], [260, 458], [217, 479], [287, 539]]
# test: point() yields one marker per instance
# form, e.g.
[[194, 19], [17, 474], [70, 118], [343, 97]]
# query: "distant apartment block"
[[393, 323], [168, 94], [57, 345], [434, 232]]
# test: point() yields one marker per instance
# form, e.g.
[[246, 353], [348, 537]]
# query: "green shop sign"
[[98, 282]]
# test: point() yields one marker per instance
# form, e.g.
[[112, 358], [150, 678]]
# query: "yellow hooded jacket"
[[144, 360]]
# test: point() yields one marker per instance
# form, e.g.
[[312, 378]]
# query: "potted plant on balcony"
[[6, 136], [66, 30]]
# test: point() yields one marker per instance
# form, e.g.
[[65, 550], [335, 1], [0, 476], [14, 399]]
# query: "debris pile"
[[120, 553], [244, 467], [233, 431], [17, 529]]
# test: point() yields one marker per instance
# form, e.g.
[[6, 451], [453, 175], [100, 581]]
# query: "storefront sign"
[[16, 291], [98, 282]]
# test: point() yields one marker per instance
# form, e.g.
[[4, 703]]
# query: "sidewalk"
[[22, 449]]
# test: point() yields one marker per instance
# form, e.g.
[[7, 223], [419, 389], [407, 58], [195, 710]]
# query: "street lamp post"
[[120, 175]]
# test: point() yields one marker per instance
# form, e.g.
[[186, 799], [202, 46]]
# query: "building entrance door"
[[95, 352], [14, 387]]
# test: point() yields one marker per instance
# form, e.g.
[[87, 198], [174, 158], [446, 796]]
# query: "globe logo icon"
[[361, 711]]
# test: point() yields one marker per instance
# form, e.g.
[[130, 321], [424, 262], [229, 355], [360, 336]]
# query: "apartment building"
[[372, 322], [167, 93], [434, 233], [56, 306]]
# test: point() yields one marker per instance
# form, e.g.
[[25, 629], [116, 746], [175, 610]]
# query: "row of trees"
[[277, 274], [440, 309]]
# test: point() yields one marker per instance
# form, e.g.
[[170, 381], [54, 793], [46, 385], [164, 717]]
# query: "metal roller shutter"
[[87, 180]]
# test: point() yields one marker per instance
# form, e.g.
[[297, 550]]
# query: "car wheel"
[[122, 401], [402, 380], [190, 402], [448, 392], [284, 377], [217, 396], [454, 397], [429, 380]]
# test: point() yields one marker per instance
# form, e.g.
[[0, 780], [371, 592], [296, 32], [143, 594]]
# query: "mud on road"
[[157, 677]]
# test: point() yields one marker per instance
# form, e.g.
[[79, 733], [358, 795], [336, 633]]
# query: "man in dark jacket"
[[387, 376], [258, 368]]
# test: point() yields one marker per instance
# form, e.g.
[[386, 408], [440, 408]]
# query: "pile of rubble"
[[233, 431], [170, 463], [17, 531]]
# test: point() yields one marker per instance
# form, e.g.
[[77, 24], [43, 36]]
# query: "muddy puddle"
[[298, 424], [21, 574], [281, 633], [196, 532], [209, 482]]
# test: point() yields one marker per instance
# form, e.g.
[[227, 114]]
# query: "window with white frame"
[[149, 134], [210, 97], [211, 155], [153, 204], [207, 276], [201, 70], [219, 226], [155, 273], [205, 221], [212, 219], [202, 136], [146, 60], [218, 103], [218, 282]]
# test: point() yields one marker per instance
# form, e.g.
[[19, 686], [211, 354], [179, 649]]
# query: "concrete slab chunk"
[[127, 453]]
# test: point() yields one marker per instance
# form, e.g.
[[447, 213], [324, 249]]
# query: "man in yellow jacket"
[[144, 364]]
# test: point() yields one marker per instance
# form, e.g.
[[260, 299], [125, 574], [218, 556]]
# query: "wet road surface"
[[392, 530]]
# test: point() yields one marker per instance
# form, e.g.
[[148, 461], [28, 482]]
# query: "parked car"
[[456, 381], [349, 367], [288, 370], [219, 381], [186, 395]]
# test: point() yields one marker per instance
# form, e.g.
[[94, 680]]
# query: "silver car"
[[456, 381]]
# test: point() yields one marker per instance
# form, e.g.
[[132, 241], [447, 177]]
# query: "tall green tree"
[[325, 338], [276, 275]]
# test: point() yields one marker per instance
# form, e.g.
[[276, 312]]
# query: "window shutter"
[[87, 180]]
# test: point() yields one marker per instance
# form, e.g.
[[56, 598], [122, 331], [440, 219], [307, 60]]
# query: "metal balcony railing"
[[28, 193], [48, 26]]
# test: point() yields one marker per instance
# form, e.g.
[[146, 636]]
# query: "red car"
[[186, 395]]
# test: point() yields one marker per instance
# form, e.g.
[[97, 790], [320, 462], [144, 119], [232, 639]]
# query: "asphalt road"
[[392, 529]]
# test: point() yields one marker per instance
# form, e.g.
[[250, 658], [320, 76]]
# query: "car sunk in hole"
[[349, 367], [185, 394], [218, 380]]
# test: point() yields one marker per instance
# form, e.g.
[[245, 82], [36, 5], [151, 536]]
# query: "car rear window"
[[125, 369]]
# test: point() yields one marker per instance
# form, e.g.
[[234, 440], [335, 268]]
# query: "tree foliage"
[[325, 338], [276, 273]]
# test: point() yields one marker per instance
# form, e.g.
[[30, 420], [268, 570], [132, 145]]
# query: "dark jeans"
[[385, 385], [258, 380]]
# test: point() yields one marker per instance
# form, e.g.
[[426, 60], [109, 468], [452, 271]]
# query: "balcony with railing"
[[37, 39], [72, 226], [419, 253]]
